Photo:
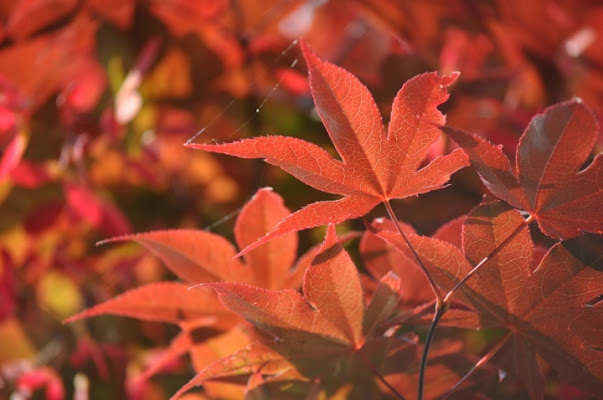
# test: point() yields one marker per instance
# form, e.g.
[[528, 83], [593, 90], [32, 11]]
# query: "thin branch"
[[376, 372], [439, 313], [492, 254], [481, 362], [434, 287]]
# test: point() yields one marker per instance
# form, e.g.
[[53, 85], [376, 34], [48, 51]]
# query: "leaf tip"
[[195, 146], [448, 80], [70, 319], [76, 317], [249, 248], [265, 189], [304, 46], [112, 240], [120, 238], [312, 59]]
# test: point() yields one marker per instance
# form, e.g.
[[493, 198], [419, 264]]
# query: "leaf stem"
[[493, 253], [478, 364], [376, 372], [436, 290], [444, 305], [439, 313]]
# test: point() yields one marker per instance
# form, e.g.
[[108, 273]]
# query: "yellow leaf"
[[59, 295]]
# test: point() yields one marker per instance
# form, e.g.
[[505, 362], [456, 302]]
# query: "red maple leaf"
[[311, 333], [375, 167], [547, 183], [552, 311], [198, 256]]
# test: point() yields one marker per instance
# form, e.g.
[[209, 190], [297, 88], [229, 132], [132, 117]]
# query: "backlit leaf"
[[374, 167], [553, 309], [548, 181]]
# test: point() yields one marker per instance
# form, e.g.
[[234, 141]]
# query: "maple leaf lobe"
[[351, 117], [332, 285]]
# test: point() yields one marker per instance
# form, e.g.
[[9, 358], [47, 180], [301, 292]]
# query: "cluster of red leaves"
[[330, 337], [97, 98]]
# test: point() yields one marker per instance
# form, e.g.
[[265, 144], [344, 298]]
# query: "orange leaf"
[[375, 167]]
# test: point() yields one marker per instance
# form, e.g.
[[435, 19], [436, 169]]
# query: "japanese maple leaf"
[[546, 181], [374, 167], [327, 325], [199, 256], [554, 310]]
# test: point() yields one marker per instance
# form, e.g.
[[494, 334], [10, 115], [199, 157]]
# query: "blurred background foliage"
[[97, 98]]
